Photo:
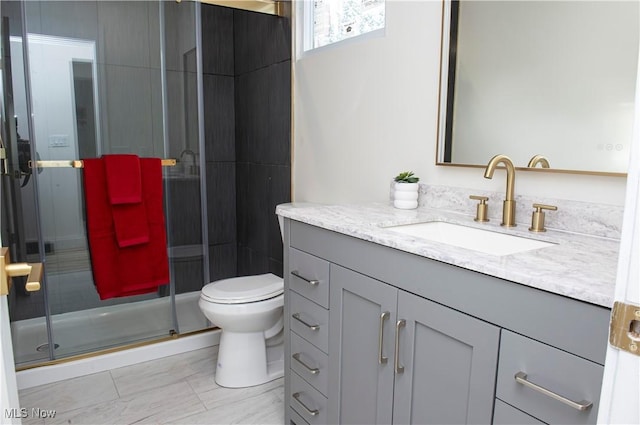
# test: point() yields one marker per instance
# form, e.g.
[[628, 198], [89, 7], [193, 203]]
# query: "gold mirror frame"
[[444, 55]]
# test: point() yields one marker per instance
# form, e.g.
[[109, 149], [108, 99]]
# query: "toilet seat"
[[245, 289]]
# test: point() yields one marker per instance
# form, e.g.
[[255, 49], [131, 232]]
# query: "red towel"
[[124, 188], [123, 271], [124, 182]]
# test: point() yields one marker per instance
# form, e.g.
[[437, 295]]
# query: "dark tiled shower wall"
[[247, 92], [220, 139]]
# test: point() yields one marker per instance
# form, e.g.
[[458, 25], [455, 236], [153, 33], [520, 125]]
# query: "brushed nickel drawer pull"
[[312, 282], [381, 358], [311, 370], [308, 325], [521, 378], [399, 325], [309, 411]]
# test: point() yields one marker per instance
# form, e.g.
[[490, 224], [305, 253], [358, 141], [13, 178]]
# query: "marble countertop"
[[578, 266]]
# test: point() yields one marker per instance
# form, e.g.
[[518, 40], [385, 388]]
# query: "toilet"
[[249, 310]]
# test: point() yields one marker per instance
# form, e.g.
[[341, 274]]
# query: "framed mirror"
[[549, 78]]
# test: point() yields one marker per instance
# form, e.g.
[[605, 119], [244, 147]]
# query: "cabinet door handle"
[[312, 282], [311, 370], [521, 378], [308, 325], [382, 359], [399, 325], [313, 412]]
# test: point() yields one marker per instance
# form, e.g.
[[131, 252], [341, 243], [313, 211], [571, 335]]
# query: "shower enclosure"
[[81, 79]]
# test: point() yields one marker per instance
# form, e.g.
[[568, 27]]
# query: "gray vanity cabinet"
[[380, 336], [399, 358]]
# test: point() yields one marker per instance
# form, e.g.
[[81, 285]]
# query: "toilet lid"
[[243, 289]]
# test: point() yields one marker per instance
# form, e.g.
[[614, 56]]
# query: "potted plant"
[[405, 194]]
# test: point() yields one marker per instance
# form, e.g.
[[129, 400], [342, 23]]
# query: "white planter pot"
[[405, 196]]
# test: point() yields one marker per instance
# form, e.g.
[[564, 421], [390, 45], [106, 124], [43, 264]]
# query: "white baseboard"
[[47, 374]]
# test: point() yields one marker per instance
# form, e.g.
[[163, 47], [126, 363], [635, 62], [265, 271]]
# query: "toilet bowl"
[[249, 310]]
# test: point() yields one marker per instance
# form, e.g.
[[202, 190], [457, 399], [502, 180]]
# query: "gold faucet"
[[538, 159], [509, 204]]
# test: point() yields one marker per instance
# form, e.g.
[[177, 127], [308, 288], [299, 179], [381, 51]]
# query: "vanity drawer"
[[294, 418], [307, 401], [309, 320], [310, 363], [309, 276], [504, 414], [557, 371]]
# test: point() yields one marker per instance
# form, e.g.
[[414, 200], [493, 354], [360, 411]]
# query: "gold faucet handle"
[[482, 199], [537, 218], [481, 210], [540, 207]]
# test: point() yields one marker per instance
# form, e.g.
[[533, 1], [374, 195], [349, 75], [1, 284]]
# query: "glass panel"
[[19, 220], [183, 181], [100, 85]]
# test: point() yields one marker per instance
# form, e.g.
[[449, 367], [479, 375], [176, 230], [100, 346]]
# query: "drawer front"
[[568, 376], [309, 320], [309, 276], [295, 419], [504, 414], [307, 401], [310, 363]]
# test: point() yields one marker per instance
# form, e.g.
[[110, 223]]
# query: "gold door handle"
[[33, 271]]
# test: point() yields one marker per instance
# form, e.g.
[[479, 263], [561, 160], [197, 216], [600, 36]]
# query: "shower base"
[[101, 328], [42, 375]]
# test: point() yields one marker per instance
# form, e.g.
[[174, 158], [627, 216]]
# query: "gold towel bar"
[[79, 164]]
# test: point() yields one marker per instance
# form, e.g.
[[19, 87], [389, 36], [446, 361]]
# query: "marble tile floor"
[[178, 389]]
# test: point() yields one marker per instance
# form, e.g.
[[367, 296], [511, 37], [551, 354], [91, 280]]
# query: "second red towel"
[[124, 188]]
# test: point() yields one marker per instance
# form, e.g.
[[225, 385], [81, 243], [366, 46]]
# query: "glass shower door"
[[97, 78]]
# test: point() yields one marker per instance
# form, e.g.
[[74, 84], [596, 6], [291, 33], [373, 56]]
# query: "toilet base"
[[247, 359]]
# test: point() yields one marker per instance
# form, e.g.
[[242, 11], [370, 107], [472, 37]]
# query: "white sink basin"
[[470, 238]]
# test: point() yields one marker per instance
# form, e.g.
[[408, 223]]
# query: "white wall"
[[367, 108]]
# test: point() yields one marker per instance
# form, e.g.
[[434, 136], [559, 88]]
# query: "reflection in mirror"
[[63, 76], [538, 159], [190, 100], [527, 78], [83, 91]]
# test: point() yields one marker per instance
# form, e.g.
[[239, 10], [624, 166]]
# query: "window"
[[330, 21]]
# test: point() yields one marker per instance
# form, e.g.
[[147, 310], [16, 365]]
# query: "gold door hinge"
[[624, 330]]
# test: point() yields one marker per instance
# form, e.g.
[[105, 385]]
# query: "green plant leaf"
[[406, 177]]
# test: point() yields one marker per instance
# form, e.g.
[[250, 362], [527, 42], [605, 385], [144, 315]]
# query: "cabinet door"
[[449, 361], [360, 386]]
